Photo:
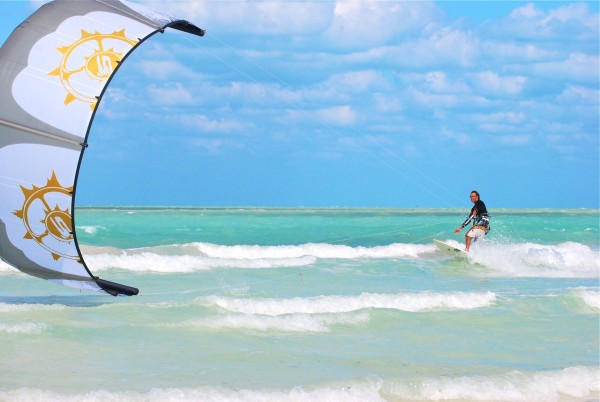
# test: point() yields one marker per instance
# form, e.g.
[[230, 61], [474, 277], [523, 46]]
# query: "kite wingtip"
[[116, 289]]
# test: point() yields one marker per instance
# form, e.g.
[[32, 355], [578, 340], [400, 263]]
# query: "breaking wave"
[[7, 269], [342, 304], [193, 257], [565, 260], [590, 298], [283, 323], [22, 327], [22, 308], [571, 384], [320, 313], [92, 229]]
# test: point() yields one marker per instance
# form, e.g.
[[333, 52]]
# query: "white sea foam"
[[285, 323], [589, 297], [318, 250], [91, 229], [354, 393], [565, 260], [342, 304], [566, 384], [570, 384], [205, 256], [151, 262], [22, 327], [21, 308], [7, 269]]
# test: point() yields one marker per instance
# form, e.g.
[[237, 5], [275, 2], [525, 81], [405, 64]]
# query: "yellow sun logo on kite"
[[49, 225], [88, 61]]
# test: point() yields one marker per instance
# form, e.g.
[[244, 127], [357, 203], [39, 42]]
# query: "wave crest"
[[565, 260], [343, 304], [572, 383], [28, 328], [283, 323], [590, 297], [193, 257]]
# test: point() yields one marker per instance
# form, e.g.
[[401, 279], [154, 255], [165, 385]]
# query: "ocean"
[[312, 304]]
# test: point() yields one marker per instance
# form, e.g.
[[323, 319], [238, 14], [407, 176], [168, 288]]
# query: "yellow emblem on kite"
[[55, 233], [91, 59]]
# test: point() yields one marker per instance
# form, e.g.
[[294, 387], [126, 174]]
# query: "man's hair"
[[476, 193]]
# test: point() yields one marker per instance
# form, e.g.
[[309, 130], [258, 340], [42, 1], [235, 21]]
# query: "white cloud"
[[336, 116], [387, 103], [340, 115], [435, 82], [500, 117], [506, 125], [214, 145], [527, 12], [575, 15], [164, 69], [513, 140], [206, 91], [492, 83], [256, 17], [458, 138], [290, 17], [575, 93], [387, 72], [203, 123], [515, 51], [114, 104], [451, 45], [356, 81], [175, 95], [573, 20], [116, 95], [577, 66], [354, 24], [362, 24], [445, 47], [433, 100], [250, 92]]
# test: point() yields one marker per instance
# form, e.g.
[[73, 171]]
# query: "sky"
[[351, 104]]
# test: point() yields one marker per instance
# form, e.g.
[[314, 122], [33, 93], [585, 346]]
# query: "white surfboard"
[[451, 250]]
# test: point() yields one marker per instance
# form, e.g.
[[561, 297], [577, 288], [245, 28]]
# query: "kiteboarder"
[[480, 218]]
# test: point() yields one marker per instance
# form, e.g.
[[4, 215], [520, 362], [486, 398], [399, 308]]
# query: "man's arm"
[[465, 223]]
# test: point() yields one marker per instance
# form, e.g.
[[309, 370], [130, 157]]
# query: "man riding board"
[[480, 218]]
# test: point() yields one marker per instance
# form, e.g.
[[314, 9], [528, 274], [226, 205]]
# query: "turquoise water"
[[312, 304]]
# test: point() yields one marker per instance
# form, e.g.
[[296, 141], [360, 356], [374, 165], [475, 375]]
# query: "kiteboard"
[[451, 250]]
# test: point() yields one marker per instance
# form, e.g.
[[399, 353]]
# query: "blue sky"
[[379, 104]]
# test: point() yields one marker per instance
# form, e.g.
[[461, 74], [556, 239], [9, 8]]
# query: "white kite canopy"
[[54, 69]]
